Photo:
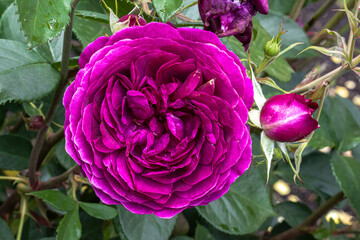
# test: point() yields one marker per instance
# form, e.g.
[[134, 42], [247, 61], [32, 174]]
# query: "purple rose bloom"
[[288, 117], [231, 17], [156, 118]]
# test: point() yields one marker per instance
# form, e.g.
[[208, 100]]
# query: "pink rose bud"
[[35, 123], [288, 117], [133, 20]]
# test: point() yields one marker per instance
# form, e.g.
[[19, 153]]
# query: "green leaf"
[[202, 233], [258, 94], [10, 26], [181, 238], [95, 16], [279, 69], [14, 152], [244, 208], [167, 8], [316, 174], [281, 5], [145, 227], [346, 171], [294, 213], [4, 4], [56, 199], [332, 52], [254, 116], [10, 29], [70, 226], [5, 231], [339, 125], [284, 152], [2, 115], [42, 20], [64, 158], [271, 23], [268, 81], [267, 146], [52, 50], [24, 74], [99, 210], [118, 229], [298, 157], [124, 6], [94, 229], [88, 30]]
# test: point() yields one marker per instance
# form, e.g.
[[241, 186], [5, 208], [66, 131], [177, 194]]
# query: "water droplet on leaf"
[[53, 24]]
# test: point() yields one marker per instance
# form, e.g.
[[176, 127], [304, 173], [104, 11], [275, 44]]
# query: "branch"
[[56, 100], [55, 181], [310, 220], [52, 140], [9, 204], [295, 11], [331, 76], [324, 8], [335, 20]]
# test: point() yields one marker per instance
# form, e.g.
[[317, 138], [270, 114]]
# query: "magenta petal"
[[175, 125], [91, 49]]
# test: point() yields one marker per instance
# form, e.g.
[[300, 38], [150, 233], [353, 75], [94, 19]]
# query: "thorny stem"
[[54, 181], [52, 140], [9, 204], [14, 198], [57, 97], [331, 24], [310, 220], [23, 209], [331, 76], [295, 11], [352, 39]]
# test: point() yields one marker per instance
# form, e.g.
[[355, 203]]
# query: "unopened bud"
[[288, 117], [35, 123], [271, 48]]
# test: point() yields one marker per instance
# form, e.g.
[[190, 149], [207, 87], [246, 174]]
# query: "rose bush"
[[156, 118]]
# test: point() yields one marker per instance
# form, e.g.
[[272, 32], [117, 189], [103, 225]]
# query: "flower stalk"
[[23, 210], [330, 77], [34, 157], [310, 220]]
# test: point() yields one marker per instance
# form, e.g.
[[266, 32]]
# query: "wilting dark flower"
[[156, 118], [231, 17], [288, 117]]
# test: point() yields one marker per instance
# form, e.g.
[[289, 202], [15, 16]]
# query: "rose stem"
[[51, 141], [331, 24], [9, 204], [54, 181], [295, 11], [331, 76], [352, 39], [310, 220], [23, 209], [57, 97], [14, 198], [324, 8]]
